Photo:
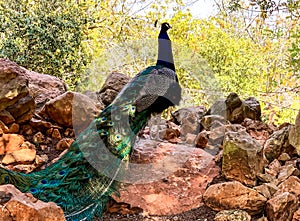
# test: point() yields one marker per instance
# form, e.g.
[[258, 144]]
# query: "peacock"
[[82, 181]]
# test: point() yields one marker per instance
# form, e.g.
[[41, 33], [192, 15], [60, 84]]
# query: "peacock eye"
[[62, 172], [103, 119], [133, 108], [103, 133], [43, 181], [110, 123], [77, 152], [33, 190], [118, 137], [6, 179]]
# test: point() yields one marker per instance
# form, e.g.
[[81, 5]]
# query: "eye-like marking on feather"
[[126, 107], [72, 181], [33, 190], [62, 173], [103, 132], [6, 179], [110, 124], [116, 138], [43, 181], [101, 120], [132, 110]]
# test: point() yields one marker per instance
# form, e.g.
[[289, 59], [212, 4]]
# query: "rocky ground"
[[219, 164]]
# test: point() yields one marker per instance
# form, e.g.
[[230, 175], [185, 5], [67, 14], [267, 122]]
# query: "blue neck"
[[165, 55]]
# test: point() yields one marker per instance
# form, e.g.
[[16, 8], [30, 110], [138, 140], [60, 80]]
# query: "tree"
[[45, 36]]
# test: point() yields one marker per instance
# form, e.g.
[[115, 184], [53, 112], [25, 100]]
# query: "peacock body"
[[82, 180]]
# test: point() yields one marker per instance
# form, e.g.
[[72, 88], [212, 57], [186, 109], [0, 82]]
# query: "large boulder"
[[242, 158], [13, 83], [234, 195], [282, 207], [112, 86], [10, 143], [14, 93], [71, 109], [170, 179], [294, 134], [44, 87], [277, 144], [236, 110], [23, 206]]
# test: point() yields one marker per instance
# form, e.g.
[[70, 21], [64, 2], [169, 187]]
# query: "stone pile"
[[225, 157]]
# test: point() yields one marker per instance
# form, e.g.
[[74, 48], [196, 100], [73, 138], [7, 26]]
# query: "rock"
[[56, 134], [277, 144], [20, 156], [41, 160], [23, 206], [108, 96], [10, 143], [210, 122], [267, 189], [71, 109], [190, 138], [282, 207], [172, 132], [252, 109], [296, 216], [6, 117], [69, 132], [265, 178], [14, 128], [27, 145], [112, 86], [26, 130], [189, 125], [218, 108], [235, 110], [294, 134], [3, 127], [291, 185], [202, 139], [44, 87], [22, 168], [234, 195], [64, 144], [40, 125], [13, 83], [242, 158], [182, 113], [173, 173], [23, 109], [285, 172], [38, 138], [273, 168], [263, 218], [284, 157], [216, 135], [259, 130], [232, 215], [238, 110]]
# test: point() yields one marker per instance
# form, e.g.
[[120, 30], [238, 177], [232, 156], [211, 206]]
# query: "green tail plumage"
[[82, 181]]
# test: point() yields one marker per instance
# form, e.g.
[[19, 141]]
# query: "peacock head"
[[165, 27]]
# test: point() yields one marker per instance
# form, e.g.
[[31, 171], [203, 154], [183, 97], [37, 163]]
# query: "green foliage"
[[249, 47], [295, 51], [44, 36]]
